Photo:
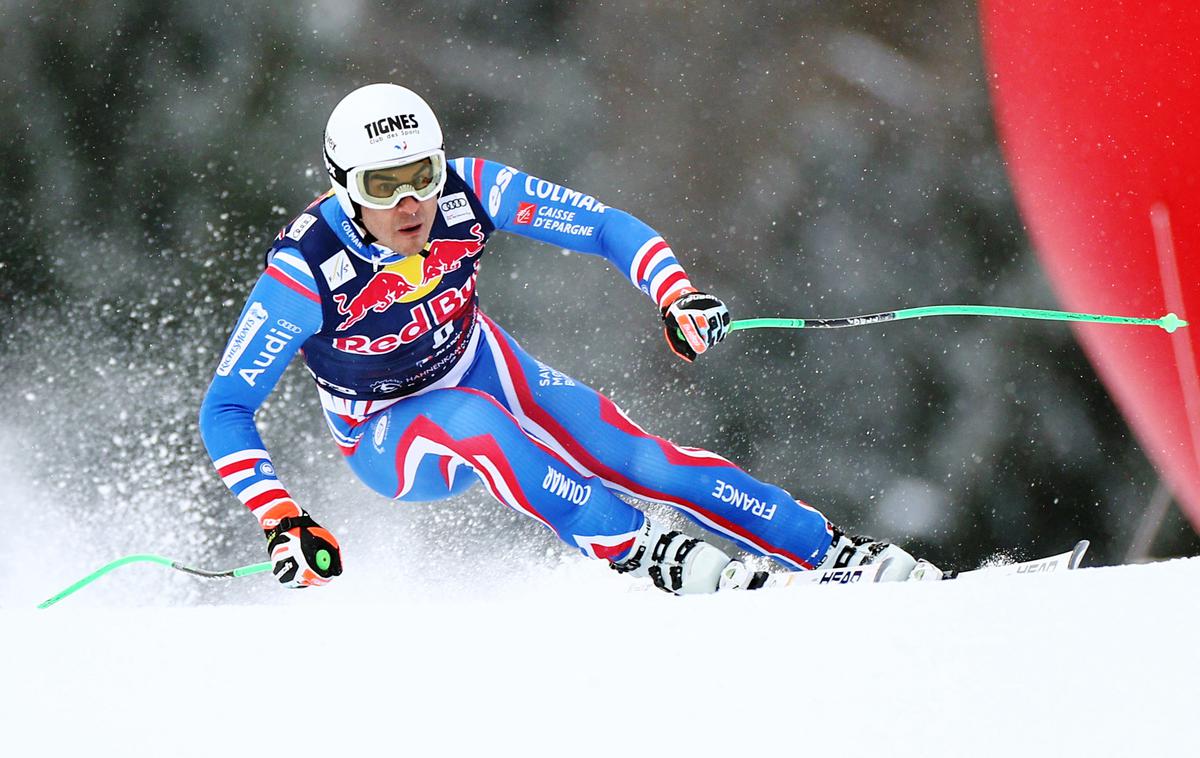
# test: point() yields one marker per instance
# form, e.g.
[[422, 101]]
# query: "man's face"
[[404, 228]]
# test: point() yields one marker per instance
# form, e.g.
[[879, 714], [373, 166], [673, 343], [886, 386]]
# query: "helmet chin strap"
[[357, 220], [368, 239], [339, 177]]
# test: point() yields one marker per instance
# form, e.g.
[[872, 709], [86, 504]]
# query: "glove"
[[694, 323], [303, 552]]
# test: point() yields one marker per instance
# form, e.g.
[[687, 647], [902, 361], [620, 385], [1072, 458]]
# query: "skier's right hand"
[[694, 322], [303, 552]]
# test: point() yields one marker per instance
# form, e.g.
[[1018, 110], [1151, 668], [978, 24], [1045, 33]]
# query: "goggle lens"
[[386, 186]]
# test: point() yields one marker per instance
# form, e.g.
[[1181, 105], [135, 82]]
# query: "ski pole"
[[253, 568], [1169, 323]]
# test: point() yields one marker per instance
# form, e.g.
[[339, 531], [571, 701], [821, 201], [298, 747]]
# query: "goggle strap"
[[339, 173]]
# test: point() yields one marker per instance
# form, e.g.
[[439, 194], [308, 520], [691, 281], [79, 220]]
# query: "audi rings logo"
[[456, 209]]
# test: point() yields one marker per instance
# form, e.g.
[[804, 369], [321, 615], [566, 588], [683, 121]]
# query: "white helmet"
[[382, 144]]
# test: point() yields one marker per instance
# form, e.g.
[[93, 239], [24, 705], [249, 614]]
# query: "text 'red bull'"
[[440, 309]]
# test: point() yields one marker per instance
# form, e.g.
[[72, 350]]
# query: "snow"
[[568, 660]]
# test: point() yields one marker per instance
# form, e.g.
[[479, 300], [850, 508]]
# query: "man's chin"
[[409, 243]]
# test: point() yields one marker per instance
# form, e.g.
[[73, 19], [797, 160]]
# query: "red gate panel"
[[1098, 108]]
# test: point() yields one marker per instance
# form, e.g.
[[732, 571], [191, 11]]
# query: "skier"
[[425, 395]]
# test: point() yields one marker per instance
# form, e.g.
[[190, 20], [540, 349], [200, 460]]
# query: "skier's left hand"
[[695, 322], [303, 553]]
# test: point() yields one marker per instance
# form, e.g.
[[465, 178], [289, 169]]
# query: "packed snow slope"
[[570, 661]]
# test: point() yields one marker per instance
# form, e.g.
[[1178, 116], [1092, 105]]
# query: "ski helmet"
[[382, 144]]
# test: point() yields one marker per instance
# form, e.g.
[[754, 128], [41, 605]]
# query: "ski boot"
[[682, 565], [846, 551]]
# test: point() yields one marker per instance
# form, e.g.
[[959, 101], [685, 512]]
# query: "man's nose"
[[409, 205]]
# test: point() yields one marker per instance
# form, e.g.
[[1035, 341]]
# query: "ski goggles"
[[383, 185]]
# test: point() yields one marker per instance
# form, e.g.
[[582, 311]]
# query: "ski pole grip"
[[324, 559]]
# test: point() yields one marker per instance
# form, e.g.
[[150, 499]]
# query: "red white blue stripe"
[[656, 272], [482, 453], [605, 546], [250, 475], [471, 169], [290, 270], [549, 431]]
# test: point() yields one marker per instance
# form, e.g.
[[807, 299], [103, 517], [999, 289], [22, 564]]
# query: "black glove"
[[303, 552], [695, 322]]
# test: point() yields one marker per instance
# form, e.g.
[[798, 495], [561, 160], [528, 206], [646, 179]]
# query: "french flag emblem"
[[605, 546]]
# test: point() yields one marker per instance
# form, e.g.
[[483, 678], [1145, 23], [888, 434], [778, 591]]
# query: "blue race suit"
[[426, 395]]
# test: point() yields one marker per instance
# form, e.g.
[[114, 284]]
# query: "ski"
[[871, 574], [839, 577], [1068, 561]]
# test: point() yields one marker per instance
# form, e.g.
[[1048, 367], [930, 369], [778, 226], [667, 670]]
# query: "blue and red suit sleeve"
[[282, 311], [547, 212]]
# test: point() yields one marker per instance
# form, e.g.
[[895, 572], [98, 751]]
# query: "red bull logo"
[[395, 283], [445, 256], [384, 290]]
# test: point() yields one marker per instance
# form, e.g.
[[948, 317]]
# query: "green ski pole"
[[253, 568], [1168, 323]]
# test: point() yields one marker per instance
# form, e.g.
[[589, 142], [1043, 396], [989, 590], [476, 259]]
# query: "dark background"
[[802, 158]]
